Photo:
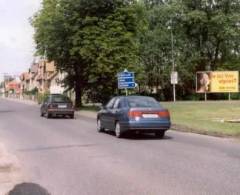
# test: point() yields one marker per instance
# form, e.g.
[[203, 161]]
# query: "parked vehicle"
[[133, 114], [57, 104]]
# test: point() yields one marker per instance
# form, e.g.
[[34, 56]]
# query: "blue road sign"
[[126, 85], [126, 80], [126, 74]]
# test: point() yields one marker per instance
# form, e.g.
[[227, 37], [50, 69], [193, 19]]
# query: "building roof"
[[25, 76]]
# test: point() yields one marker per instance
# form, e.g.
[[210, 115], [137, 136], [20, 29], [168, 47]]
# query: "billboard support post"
[[229, 96], [205, 96]]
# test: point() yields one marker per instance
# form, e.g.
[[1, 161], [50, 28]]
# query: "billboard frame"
[[207, 77]]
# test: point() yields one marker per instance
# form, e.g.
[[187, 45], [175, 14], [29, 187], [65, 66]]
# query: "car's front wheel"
[[99, 126], [49, 115], [72, 116]]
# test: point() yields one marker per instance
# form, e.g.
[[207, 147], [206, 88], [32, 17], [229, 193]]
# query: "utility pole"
[[173, 63]]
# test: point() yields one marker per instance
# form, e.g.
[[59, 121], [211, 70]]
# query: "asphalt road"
[[69, 157]]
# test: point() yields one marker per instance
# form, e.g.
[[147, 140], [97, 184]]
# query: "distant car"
[[133, 114], [57, 104]]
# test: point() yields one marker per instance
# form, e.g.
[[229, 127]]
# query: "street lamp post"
[[173, 65]]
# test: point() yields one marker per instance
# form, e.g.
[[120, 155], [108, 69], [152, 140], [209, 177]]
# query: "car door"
[[106, 114], [115, 113]]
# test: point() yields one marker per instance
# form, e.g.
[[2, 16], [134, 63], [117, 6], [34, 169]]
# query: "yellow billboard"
[[217, 82]]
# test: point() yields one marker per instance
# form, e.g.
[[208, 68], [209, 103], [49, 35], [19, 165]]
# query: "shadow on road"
[[28, 189], [140, 136], [57, 117], [146, 137]]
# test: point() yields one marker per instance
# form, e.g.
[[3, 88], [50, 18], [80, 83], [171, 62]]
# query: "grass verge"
[[208, 118], [205, 117]]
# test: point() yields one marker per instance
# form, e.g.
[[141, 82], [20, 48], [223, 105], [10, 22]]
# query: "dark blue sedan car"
[[133, 113]]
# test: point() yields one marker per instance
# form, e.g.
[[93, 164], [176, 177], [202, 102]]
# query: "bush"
[[194, 97], [41, 97], [32, 92]]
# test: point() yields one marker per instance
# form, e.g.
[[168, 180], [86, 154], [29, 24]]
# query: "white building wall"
[[56, 86]]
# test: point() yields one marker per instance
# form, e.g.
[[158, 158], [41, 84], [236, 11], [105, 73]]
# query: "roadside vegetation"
[[210, 117], [93, 40], [217, 118]]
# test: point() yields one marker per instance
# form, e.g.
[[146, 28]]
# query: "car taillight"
[[134, 114], [164, 114]]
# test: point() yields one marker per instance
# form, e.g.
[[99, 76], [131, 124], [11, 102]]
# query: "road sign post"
[[174, 81], [126, 80]]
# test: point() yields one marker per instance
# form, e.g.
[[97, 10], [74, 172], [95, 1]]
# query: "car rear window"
[[60, 98], [142, 102]]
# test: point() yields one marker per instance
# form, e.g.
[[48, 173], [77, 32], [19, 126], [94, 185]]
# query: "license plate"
[[150, 116], [62, 106]]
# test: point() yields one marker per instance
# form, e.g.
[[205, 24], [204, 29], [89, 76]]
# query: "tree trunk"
[[216, 55], [78, 86], [78, 95]]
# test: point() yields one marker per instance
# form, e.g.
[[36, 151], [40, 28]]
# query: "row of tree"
[[93, 40]]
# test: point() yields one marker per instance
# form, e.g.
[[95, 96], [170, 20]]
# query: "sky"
[[16, 35]]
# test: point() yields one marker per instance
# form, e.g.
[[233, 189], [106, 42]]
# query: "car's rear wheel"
[[99, 126], [49, 115], [72, 116], [118, 131], [160, 134]]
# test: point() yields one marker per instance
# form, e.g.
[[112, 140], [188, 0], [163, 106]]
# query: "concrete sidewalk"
[[10, 171], [24, 101]]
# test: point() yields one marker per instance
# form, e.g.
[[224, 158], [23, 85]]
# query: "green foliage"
[[90, 40], [206, 36], [32, 92], [41, 97], [93, 40]]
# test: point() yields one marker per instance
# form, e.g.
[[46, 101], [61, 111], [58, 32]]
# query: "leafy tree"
[[205, 37], [212, 31], [90, 40], [156, 52], [211, 38]]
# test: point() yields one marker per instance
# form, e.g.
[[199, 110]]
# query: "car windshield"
[[60, 98], [142, 102]]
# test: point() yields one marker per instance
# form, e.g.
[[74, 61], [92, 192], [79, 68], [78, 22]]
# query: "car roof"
[[131, 96]]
